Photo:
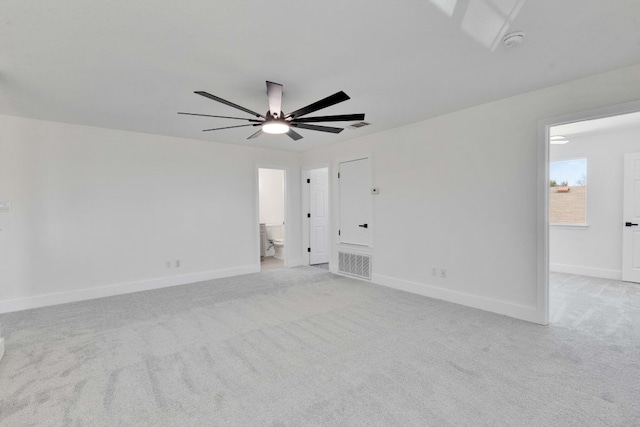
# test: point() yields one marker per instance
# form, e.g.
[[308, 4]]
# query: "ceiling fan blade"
[[228, 127], [294, 135], [257, 134], [229, 103], [274, 92], [338, 118], [336, 98], [318, 128], [221, 117]]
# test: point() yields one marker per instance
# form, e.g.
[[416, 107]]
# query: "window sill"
[[570, 226]]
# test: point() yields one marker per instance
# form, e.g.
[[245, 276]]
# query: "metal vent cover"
[[355, 265], [359, 125]]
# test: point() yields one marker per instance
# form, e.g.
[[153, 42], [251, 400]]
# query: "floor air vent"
[[355, 265]]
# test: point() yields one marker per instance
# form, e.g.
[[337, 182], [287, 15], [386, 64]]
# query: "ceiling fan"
[[275, 121]]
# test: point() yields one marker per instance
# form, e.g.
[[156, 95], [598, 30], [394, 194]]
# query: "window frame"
[[568, 225]]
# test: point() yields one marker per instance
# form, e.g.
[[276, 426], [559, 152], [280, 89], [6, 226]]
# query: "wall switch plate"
[[443, 273], [177, 263], [434, 272], [5, 206]]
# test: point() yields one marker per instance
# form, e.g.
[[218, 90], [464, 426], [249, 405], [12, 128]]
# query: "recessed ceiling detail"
[[486, 21]]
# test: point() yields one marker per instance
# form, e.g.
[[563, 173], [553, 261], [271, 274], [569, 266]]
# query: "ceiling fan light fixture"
[[558, 140], [275, 127]]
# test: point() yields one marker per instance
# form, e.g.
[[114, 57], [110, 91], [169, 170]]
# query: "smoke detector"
[[513, 39]]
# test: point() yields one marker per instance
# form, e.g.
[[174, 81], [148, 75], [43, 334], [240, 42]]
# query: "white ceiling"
[[133, 64], [603, 125]]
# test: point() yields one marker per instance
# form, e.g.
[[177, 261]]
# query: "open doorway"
[[271, 200], [316, 207], [593, 206]]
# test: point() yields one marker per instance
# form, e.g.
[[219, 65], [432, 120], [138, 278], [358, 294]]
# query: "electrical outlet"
[[443, 273], [167, 264], [177, 263], [434, 272]]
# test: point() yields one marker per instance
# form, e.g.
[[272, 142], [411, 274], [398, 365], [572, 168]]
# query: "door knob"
[[630, 224], [364, 225]]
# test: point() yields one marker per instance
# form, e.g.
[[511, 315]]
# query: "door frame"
[[544, 125], [628, 269], [287, 233], [334, 180], [306, 206]]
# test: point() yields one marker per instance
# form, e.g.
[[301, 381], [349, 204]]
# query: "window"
[[568, 192]]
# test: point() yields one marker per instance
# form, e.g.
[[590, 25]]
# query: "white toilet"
[[275, 234]]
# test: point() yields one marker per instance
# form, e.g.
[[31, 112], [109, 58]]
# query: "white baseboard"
[[1, 348], [17, 304], [530, 314], [601, 273]]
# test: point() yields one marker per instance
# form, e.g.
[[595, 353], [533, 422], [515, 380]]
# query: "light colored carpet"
[[302, 346]]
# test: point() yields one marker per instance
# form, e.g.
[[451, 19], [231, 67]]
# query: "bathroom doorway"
[[271, 200]]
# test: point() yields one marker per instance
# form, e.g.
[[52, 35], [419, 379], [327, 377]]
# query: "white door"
[[319, 215], [631, 219], [354, 185]]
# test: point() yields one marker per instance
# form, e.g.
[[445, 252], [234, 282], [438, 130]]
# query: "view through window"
[[568, 192]]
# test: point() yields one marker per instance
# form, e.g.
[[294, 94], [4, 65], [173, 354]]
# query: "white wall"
[[271, 196], [460, 192], [597, 249], [96, 207], [97, 212]]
